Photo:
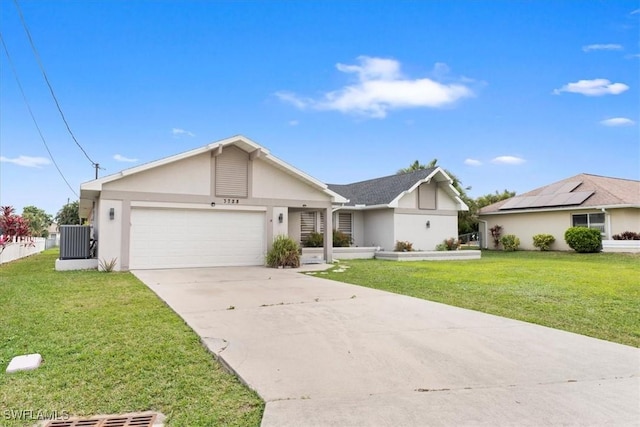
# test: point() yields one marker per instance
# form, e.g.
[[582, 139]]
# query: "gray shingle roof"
[[379, 191], [607, 191]]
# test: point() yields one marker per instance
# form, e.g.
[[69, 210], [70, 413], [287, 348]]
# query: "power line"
[[37, 55], [26, 101]]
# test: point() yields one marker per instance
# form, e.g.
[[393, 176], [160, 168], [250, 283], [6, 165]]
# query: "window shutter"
[[307, 224], [427, 196], [345, 223], [232, 173]]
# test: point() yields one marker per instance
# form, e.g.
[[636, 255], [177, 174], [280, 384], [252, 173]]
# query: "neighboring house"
[[219, 205], [53, 239], [222, 205], [611, 205]]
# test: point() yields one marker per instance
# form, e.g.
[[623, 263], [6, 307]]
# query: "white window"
[[591, 220]]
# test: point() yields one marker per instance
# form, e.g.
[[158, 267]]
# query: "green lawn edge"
[[590, 294], [110, 346]]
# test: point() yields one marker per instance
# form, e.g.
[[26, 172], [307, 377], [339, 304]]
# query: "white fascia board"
[[449, 188], [361, 207], [463, 205]]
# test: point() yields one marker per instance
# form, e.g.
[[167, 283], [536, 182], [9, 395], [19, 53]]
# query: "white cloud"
[[472, 162], [179, 132], [293, 123], [618, 121], [380, 87], [121, 158], [508, 160], [595, 87], [635, 12], [600, 46], [26, 161]]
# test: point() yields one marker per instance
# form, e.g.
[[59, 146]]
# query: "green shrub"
[[450, 244], [283, 253], [510, 242], [341, 240], [583, 239], [313, 240], [403, 246], [543, 241]]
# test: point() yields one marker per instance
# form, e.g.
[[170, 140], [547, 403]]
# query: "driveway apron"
[[324, 353]]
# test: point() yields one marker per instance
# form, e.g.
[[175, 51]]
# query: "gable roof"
[[387, 190], [579, 191], [91, 189]]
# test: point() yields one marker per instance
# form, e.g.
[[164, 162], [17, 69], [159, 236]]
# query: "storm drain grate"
[[140, 420]]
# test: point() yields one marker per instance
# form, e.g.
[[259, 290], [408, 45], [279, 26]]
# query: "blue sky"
[[505, 94]]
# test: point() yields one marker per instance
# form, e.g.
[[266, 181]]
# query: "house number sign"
[[231, 201]]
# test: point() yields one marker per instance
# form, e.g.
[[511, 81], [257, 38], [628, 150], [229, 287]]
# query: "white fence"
[[19, 250]]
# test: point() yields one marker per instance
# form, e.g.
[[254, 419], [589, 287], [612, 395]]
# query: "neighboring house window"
[[311, 222], [592, 220], [232, 173], [345, 223]]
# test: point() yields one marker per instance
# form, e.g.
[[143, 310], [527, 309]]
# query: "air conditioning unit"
[[75, 241]]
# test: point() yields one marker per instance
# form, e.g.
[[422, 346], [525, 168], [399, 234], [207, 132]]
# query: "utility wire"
[[35, 52], [26, 101]]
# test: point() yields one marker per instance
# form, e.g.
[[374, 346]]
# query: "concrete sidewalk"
[[323, 353]]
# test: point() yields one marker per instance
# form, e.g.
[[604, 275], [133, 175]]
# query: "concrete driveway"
[[323, 353]]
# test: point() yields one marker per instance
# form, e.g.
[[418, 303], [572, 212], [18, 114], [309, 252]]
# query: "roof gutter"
[[569, 208]]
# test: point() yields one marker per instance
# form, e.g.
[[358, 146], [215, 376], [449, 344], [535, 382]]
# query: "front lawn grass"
[[590, 294], [109, 346]]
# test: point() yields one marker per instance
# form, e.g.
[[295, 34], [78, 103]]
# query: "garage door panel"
[[181, 238]]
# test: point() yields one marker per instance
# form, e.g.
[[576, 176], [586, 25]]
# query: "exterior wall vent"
[[75, 241]]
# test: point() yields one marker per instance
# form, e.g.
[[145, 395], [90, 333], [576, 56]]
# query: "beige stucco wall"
[[271, 183], [378, 228], [358, 229], [527, 225], [413, 228], [277, 227], [187, 176], [445, 202], [109, 231], [624, 220], [409, 200]]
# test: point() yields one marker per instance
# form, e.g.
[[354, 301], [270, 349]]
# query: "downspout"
[[607, 215], [483, 243]]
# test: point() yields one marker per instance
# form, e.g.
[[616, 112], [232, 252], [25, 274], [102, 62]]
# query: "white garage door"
[[180, 238]]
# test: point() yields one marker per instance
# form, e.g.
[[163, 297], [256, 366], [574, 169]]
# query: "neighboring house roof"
[[580, 191], [387, 190], [91, 189]]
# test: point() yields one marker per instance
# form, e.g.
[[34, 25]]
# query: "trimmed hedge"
[[583, 239]]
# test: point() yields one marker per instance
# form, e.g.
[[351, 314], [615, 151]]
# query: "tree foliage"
[[13, 228], [491, 198], [69, 214], [39, 221], [416, 166]]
